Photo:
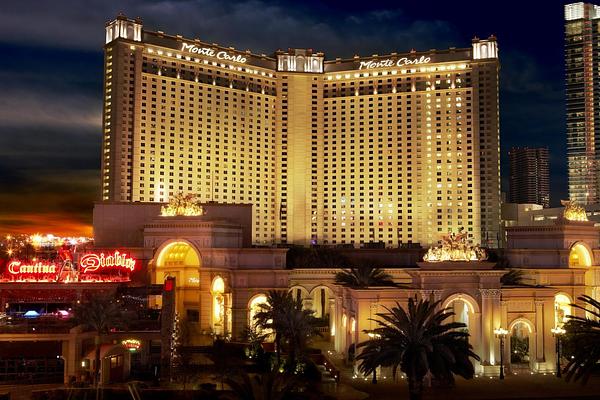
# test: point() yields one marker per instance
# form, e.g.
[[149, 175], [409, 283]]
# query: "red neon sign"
[[19, 268], [92, 262]]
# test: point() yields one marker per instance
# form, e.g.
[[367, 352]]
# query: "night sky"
[[51, 78]]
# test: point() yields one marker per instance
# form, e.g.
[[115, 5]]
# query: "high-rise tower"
[[529, 176], [582, 54], [394, 149]]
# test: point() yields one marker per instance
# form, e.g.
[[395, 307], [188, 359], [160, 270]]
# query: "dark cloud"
[[259, 25]]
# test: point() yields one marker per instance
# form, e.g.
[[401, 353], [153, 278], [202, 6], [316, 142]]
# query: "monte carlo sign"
[[393, 62], [210, 52]]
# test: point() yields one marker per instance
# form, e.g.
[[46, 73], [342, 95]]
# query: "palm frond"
[[417, 339], [583, 338]]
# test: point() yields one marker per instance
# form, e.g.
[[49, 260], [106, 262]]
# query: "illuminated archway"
[[299, 293], [254, 306], [580, 256], [180, 259], [521, 342], [219, 313], [322, 300], [562, 308], [464, 308]]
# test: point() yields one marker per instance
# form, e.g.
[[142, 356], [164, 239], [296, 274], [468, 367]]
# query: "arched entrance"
[[520, 345], [180, 259], [322, 302], [580, 256], [466, 310]]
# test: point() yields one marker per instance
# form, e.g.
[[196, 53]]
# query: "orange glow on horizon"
[[59, 224]]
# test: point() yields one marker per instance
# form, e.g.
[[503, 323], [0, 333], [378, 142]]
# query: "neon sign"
[[132, 345], [390, 62], [19, 268], [92, 262], [92, 267], [207, 51]]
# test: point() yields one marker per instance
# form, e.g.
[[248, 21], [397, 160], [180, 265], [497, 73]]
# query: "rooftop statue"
[[455, 247], [573, 212], [182, 205]]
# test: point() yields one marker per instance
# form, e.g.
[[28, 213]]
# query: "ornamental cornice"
[[490, 293]]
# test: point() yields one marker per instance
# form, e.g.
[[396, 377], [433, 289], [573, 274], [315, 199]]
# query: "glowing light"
[[18, 268], [93, 261], [132, 345], [390, 62], [500, 332], [573, 212], [182, 205], [31, 314], [210, 52], [455, 248]]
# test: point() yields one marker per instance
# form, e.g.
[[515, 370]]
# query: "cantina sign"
[[391, 62], [112, 266], [20, 268], [210, 52], [93, 262]]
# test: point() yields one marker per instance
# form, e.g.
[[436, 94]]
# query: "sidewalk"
[[514, 387]]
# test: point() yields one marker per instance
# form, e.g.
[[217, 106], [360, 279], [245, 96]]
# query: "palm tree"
[[364, 277], [516, 277], [290, 323], [418, 342], [582, 337], [299, 326], [271, 385], [270, 317], [99, 314]]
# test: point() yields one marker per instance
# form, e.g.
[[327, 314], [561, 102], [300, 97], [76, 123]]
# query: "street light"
[[501, 334], [557, 332], [374, 335]]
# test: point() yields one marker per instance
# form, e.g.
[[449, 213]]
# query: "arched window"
[[562, 308], [254, 307], [580, 256], [218, 288]]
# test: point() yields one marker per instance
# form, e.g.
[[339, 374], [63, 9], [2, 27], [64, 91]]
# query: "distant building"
[[582, 89], [534, 215], [529, 176]]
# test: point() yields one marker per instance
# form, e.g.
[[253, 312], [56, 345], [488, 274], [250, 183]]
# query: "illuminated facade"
[[218, 284], [582, 82], [393, 149]]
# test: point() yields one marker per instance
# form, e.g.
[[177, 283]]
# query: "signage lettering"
[[18, 268], [210, 52], [93, 261], [132, 345], [390, 62]]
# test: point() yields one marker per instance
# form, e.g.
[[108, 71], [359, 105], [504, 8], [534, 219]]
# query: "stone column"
[[332, 317], [540, 331], [490, 320]]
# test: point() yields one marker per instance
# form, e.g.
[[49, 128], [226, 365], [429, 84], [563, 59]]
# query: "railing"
[[323, 330], [322, 359], [55, 325], [22, 325]]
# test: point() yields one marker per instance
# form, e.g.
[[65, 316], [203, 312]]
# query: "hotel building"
[[394, 149], [582, 83]]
